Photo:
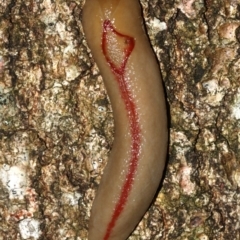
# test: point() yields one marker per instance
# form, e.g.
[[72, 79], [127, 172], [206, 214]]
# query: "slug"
[[116, 37]]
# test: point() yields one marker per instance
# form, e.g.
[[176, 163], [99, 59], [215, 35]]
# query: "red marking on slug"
[[118, 69]]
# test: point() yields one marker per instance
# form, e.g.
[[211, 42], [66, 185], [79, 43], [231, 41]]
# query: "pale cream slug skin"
[[115, 34]]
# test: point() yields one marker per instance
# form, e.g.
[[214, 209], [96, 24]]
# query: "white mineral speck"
[[15, 180], [156, 23], [236, 107], [71, 198], [185, 180], [71, 72], [211, 86], [29, 228], [186, 6], [203, 237]]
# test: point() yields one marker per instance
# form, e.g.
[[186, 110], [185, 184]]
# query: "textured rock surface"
[[56, 125]]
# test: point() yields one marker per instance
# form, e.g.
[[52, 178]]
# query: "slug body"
[[120, 47]]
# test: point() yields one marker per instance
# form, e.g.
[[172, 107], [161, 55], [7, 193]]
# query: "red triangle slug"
[[115, 34]]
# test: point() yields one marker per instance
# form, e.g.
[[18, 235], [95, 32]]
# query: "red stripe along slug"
[[116, 36]]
